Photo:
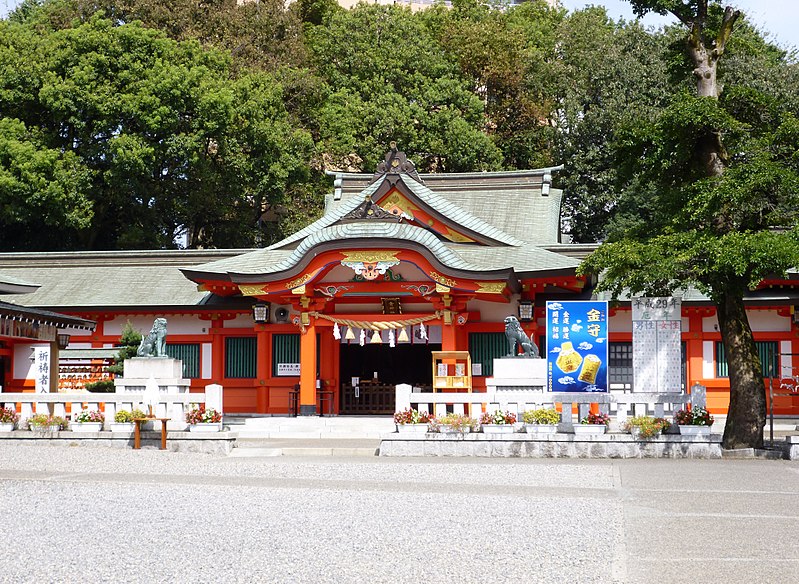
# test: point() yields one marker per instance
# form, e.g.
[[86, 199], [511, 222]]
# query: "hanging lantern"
[[403, 336], [376, 338], [362, 339], [391, 337], [336, 331], [350, 336]]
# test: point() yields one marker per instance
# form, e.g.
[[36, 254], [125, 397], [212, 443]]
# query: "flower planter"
[[589, 429], [412, 428], [86, 426], [541, 429], [687, 430], [122, 426], [6, 427], [497, 428], [636, 434], [206, 427], [52, 429], [451, 430]]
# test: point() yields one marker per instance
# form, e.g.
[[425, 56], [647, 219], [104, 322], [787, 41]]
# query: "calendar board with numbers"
[[657, 349]]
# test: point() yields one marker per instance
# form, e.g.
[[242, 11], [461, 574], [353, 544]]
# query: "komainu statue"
[[154, 343], [516, 336]]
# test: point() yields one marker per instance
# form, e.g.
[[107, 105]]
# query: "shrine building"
[[400, 266]]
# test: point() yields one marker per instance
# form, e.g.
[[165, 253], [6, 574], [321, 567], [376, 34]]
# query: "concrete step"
[[256, 448], [312, 427]]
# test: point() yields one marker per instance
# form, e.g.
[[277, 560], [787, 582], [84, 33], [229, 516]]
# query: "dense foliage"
[[152, 124], [710, 191]]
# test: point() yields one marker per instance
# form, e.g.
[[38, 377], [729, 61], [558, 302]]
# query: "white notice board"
[[657, 344]]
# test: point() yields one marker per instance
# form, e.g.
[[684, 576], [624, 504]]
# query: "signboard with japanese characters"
[[577, 347], [657, 350], [41, 369], [288, 369]]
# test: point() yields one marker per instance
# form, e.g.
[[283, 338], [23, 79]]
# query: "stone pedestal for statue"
[[518, 380], [519, 372], [167, 373]]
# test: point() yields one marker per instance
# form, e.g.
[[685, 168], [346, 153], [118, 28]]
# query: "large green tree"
[[167, 143], [712, 200], [389, 79]]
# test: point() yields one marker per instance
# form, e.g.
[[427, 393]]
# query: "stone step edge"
[[302, 451]]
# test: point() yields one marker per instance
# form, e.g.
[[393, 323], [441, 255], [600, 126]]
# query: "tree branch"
[[730, 16]]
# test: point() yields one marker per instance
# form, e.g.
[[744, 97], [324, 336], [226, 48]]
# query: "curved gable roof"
[[449, 211]]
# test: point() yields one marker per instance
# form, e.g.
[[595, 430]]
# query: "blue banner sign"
[[577, 346]]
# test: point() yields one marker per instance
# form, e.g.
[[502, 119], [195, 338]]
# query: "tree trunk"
[[747, 413]]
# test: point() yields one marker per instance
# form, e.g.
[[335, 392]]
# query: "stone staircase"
[[266, 436]]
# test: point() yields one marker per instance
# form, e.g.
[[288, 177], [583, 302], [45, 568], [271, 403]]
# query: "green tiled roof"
[[524, 260], [88, 286], [459, 215], [506, 208], [13, 285]]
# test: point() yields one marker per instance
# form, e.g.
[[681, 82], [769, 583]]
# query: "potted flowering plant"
[[693, 421], [88, 421], [202, 419], [46, 423], [123, 420], [412, 420], [593, 424], [646, 427], [453, 424], [497, 422], [541, 421], [8, 419]]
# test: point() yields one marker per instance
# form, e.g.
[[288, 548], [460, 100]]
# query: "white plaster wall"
[[73, 345], [175, 325], [710, 324], [786, 369], [23, 366], [75, 334], [760, 321], [241, 321], [769, 321], [708, 370], [493, 311], [621, 322], [205, 361]]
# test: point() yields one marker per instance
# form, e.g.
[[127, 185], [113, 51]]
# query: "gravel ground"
[[94, 514]]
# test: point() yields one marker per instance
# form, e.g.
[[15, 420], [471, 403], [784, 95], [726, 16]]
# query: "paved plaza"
[[93, 514]]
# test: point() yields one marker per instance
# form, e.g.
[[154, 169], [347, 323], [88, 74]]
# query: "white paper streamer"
[[363, 337], [336, 332]]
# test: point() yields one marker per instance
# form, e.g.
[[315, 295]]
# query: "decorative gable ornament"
[[371, 210], [396, 163], [370, 265]]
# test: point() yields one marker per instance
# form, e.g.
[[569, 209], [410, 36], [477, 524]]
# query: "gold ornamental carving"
[[370, 256], [298, 282], [490, 287], [443, 279], [252, 289]]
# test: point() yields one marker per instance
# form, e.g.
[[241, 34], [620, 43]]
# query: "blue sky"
[[780, 18]]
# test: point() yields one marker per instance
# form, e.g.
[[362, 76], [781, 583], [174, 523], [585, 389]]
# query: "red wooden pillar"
[[308, 370], [694, 351], [264, 351], [217, 351]]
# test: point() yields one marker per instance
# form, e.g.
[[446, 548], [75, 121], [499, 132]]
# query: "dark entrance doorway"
[[403, 363]]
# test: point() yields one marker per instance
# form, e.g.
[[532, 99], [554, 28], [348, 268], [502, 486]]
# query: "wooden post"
[[263, 359], [308, 370]]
